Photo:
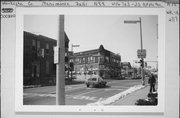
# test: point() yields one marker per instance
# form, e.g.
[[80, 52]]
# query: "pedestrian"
[[152, 82]]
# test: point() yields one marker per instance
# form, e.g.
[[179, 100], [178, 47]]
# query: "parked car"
[[95, 81]]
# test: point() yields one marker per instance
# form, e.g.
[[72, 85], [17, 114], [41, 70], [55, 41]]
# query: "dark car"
[[95, 81]]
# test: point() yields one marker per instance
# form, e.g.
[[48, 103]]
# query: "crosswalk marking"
[[81, 96]]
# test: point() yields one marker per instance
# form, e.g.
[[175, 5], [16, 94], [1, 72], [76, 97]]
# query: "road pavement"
[[77, 94]]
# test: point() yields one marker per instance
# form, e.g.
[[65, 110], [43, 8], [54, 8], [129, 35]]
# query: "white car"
[[95, 81]]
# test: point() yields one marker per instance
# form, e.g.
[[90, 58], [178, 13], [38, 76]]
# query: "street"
[[77, 94]]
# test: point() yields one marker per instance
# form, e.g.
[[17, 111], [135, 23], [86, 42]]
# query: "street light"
[[135, 22]]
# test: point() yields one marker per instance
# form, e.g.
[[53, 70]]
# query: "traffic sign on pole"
[[141, 53], [56, 55]]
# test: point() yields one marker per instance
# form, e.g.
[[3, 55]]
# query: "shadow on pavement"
[[100, 87], [67, 82], [73, 82]]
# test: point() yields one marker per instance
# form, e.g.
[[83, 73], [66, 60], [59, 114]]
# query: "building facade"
[[97, 62], [127, 70], [39, 67]]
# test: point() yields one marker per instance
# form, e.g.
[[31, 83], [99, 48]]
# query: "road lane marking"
[[76, 85], [120, 86], [35, 95], [85, 98], [67, 89], [88, 92], [91, 98], [70, 89], [113, 89]]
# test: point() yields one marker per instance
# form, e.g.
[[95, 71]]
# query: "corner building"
[[97, 62]]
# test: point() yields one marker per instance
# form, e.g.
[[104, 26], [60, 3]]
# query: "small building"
[[127, 70], [39, 67], [97, 62]]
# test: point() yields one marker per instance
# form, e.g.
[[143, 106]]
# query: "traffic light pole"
[[60, 66], [142, 58], [142, 65]]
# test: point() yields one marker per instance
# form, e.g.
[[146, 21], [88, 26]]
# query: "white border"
[[20, 12]]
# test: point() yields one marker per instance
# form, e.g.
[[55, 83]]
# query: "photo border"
[[21, 11]]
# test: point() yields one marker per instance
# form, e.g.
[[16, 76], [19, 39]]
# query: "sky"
[[90, 31]]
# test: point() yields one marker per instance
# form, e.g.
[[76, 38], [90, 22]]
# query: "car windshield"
[[92, 79]]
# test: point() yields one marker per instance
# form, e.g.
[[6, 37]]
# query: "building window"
[[96, 59], [80, 60], [71, 60], [89, 59], [39, 51], [107, 59], [47, 67], [38, 44], [47, 48], [77, 60], [93, 59], [35, 70], [34, 50], [83, 60], [66, 54], [102, 59], [47, 45], [33, 43]]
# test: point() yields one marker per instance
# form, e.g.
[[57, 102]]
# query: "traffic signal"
[[141, 63], [71, 65], [145, 64]]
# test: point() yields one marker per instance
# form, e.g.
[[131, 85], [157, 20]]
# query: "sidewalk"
[[131, 99]]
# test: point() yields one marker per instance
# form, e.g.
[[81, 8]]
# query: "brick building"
[[97, 62], [39, 67]]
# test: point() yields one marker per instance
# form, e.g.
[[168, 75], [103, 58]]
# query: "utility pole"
[[60, 66], [141, 42]]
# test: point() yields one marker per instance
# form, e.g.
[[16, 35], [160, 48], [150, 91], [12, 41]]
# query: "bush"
[[146, 102], [151, 100]]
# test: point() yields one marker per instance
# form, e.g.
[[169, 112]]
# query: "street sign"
[[56, 57], [141, 53]]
